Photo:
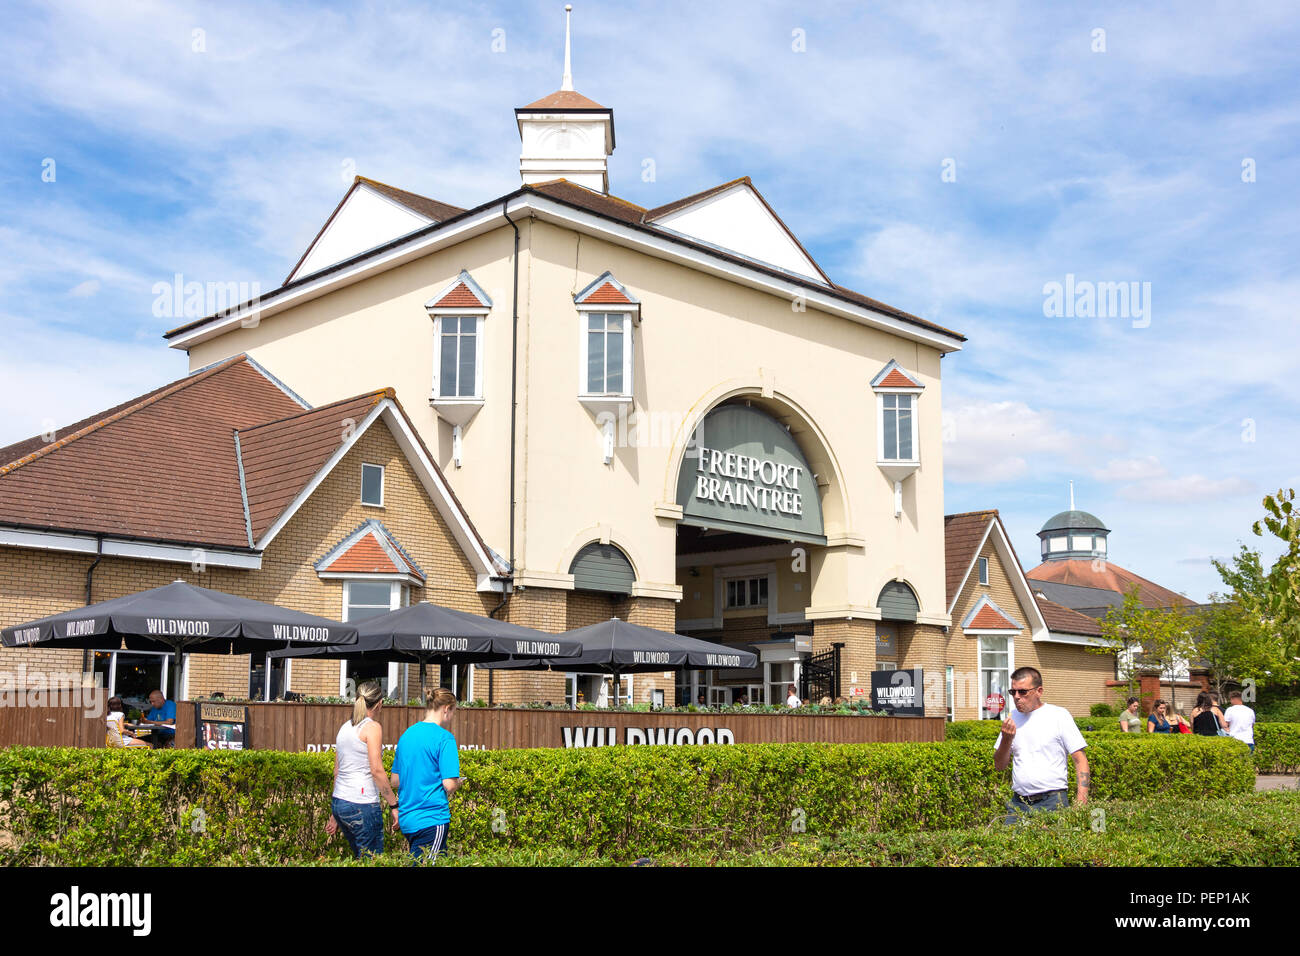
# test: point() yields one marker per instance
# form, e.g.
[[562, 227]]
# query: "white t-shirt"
[[793, 701], [1044, 740], [1241, 723]]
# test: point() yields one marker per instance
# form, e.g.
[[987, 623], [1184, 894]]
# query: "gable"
[[737, 218], [365, 219]]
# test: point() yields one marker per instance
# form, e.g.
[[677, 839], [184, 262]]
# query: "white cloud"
[[1130, 469], [1186, 489], [998, 442], [84, 290]]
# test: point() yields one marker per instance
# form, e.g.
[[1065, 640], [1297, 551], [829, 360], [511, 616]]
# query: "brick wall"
[[858, 656]]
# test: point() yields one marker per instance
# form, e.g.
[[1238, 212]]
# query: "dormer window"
[[607, 313], [898, 451], [459, 313]]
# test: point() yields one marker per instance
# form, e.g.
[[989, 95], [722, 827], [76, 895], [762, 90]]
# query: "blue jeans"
[[431, 840], [362, 824], [1018, 807]]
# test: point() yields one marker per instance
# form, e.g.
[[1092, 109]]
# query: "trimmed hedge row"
[[1277, 745], [116, 807]]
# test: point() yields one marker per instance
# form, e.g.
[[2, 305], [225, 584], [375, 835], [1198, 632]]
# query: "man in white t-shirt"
[[1240, 720], [1039, 737]]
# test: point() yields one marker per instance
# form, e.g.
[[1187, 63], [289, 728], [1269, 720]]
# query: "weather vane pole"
[[567, 83], [1072, 496]]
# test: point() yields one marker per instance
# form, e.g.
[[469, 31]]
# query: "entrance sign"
[[220, 726], [898, 692], [744, 472]]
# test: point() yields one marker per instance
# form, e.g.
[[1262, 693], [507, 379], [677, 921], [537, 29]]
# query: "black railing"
[[820, 675]]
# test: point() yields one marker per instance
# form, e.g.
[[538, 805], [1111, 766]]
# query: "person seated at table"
[[161, 719], [117, 734]]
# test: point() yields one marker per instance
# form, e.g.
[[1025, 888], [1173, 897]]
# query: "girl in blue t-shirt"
[[426, 772]]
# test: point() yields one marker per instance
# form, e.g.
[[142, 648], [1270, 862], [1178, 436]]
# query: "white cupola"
[[565, 135]]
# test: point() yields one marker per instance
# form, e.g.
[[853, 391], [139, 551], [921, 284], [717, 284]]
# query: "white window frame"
[[479, 316], [983, 565], [721, 575], [571, 696], [397, 596], [382, 476], [165, 685], [1011, 669], [762, 584], [628, 364], [915, 395]]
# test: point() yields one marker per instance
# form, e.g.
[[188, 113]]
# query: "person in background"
[[117, 735], [1158, 720], [1130, 721], [700, 701], [161, 719], [1240, 720], [1181, 723], [426, 772], [1207, 719], [359, 776], [792, 697]]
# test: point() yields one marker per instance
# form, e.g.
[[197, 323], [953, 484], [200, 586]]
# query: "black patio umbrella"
[[617, 647], [183, 618], [433, 634]]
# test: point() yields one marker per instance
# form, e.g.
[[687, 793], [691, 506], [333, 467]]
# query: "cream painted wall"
[[701, 339]]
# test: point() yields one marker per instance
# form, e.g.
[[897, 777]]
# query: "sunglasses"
[[1018, 692]]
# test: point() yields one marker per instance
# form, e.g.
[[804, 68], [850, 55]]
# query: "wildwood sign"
[[314, 727]]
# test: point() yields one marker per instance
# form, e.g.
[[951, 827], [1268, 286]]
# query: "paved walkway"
[[1277, 781]]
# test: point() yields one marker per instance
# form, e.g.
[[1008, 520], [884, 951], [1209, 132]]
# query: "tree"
[[1145, 637], [1279, 602]]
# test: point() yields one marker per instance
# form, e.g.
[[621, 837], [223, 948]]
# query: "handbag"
[[1184, 727], [1219, 727]]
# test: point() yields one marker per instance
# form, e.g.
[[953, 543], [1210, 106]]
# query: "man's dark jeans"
[[1018, 807]]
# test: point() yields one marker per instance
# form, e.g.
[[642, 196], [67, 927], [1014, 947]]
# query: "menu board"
[[220, 726]]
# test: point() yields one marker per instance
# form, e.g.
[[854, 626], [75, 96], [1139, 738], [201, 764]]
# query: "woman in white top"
[[117, 735], [359, 776]]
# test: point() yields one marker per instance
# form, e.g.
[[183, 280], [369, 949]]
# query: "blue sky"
[[218, 155]]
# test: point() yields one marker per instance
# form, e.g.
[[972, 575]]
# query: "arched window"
[[897, 602], [602, 567]]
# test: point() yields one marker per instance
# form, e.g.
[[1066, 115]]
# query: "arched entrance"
[[759, 492]]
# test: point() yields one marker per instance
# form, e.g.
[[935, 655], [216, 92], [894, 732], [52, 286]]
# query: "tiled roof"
[[1109, 577], [361, 552], [435, 210], [564, 100], [281, 457], [608, 295], [962, 534], [589, 199], [1062, 620], [896, 379], [161, 468], [459, 298], [990, 618]]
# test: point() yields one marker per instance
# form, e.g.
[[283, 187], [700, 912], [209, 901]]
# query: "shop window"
[[606, 353], [372, 485], [459, 366]]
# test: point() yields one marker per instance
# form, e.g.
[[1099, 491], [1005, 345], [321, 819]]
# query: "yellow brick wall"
[[34, 583], [857, 657], [1073, 677]]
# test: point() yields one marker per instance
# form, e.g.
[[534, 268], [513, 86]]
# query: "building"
[[227, 480], [1076, 569], [672, 415]]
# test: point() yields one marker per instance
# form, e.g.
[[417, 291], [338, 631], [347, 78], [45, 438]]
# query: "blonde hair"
[[368, 694], [439, 697]]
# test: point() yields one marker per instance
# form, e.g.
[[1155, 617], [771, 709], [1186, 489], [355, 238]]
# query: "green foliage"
[[1102, 710], [1234, 634], [1281, 598], [192, 807], [1145, 637], [1277, 748], [1276, 705]]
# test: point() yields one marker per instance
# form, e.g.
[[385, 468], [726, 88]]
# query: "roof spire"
[[567, 82], [1071, 495]]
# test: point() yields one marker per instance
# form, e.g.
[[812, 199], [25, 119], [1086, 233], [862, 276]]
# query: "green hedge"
[[116, 807], [1277, 748]]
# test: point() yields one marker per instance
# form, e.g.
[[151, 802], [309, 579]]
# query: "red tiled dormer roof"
[[608, 295], [896, 379], [990, 618], [363, 552], [458, 298]]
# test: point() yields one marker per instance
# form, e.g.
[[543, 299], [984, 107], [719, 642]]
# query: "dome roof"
[[1070, 520]]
